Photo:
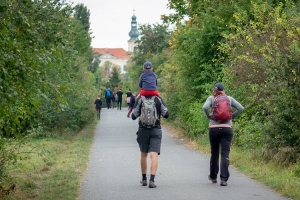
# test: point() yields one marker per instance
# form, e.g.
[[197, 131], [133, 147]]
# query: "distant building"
[[119, 56]]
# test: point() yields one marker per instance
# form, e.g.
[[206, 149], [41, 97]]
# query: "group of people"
[[149, 139]]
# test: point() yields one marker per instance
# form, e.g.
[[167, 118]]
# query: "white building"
[[119, 56]]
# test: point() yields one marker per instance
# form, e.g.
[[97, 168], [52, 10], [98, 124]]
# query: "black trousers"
[[98, 113], [108, 102], [220, 138], [119, 104]]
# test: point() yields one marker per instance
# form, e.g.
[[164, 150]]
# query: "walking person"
[[119, 94], [220, 131], [131, 104], [108, 95], [149, 139], [113, 101], [98, 103], [128, 95]]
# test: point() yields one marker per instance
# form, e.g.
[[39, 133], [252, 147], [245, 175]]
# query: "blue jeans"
[[220, 138]]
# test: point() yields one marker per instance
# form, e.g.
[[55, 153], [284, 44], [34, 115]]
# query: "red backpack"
[[221, 108]]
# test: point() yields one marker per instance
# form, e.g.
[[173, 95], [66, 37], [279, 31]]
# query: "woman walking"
[[220, 131]]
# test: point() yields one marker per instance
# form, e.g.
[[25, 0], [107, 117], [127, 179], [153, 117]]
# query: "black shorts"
[[149, 140]]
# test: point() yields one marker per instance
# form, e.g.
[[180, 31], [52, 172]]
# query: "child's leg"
[[150, 93]]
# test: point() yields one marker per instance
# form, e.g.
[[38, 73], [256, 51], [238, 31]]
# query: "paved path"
[[114, 170]]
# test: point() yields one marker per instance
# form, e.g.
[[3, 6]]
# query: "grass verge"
[[279, 178], [55, 167]]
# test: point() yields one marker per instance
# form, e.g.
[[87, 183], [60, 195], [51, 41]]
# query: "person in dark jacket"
[[119, 94], [98, 103], [113, 100], [128, 95], [131, 104], [108, 95], [149, 139]]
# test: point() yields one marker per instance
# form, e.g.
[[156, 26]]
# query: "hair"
[[216, 92]]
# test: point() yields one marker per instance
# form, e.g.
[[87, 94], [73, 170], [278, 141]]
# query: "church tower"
[[134, 34]]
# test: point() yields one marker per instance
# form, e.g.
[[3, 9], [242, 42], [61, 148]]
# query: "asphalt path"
[[114, 169]]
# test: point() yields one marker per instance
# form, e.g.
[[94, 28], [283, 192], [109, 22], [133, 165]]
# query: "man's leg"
[[153, 168], [144, 168], [144, 162], [107, 102], [154, 162], [120, 102]]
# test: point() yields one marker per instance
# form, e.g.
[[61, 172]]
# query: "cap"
[[219, 86], [147, 65]]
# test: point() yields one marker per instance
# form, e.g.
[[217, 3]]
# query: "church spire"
[[134, 33]]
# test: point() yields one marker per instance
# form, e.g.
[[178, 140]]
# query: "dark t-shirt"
[[98, 103], [128, 94], [119, 93]]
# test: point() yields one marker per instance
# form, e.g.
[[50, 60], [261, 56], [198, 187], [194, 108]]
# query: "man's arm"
[[163, 109], [136, 111]]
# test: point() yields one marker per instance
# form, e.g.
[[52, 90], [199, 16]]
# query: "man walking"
[[98, 103], [149, 138], [119, 94], [108, 95]]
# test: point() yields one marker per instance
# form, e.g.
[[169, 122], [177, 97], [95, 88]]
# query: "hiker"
[[119, 102], [113, 100], [128, 95], [132, 102], [149, 139], [108, 95], [98, 103], [220, 131], [148, 81]]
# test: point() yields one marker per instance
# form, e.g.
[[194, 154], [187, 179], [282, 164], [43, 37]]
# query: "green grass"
[[55, 168]]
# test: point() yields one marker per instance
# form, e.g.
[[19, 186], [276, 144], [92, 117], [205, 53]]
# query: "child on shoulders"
[[148, 81]]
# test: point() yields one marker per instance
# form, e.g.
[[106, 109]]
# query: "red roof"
[[117, 52]]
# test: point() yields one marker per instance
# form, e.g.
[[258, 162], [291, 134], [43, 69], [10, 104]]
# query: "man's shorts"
[[149, 140]]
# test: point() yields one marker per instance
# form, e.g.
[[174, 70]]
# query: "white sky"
[[111, 19]]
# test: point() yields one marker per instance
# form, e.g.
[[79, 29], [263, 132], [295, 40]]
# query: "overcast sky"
[[111, 19]]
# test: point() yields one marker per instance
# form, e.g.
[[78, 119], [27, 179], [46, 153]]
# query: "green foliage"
[[253, 48], [44, 82], [83, 15], [115, 78], [265, 57]]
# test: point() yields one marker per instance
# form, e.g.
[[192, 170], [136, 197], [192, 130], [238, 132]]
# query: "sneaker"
[[223, 183], [151, 184], [212, 180], [144, 182]]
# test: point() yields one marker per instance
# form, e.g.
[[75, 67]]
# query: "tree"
[[83, 15], [115, 79]]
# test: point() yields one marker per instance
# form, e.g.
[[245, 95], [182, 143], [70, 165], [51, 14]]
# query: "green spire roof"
[[134, 33]]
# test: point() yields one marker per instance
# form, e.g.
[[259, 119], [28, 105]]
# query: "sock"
[[144, 177], [152, 177]]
